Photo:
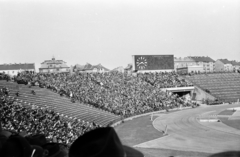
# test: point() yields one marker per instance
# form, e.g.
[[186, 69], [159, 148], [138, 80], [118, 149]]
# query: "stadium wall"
[[202, 95], [145, 114]]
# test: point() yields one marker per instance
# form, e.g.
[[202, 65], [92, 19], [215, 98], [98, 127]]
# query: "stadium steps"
[[60, 104], [235, 88], [85, 114], [224, 86], [232, 93]]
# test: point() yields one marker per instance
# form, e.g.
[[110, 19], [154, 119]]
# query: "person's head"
[[38, 139], [101, 142], [17, 146], [0, 126], [55, 150]]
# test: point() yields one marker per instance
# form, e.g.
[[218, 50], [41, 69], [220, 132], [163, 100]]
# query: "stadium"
[[157, 112], [119, 78]]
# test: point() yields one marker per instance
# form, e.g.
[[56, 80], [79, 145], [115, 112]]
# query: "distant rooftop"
[[53, 61], [183, 59], [201, 59], [226, 61], [89, 66], [26, 66], [120, 69]]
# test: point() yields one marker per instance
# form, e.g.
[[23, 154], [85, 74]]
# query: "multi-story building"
[[14, 69], [206, 63], [226, 65], [90, 68], [236, 66], [51, 66], [183, 62]]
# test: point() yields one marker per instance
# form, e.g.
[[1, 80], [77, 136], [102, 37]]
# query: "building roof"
[[235, 63], [201, 59], [53, 64], [26, 66], [119, 69], [226, 61], [79, 67], [129, 67], [53, 61], [89, 66], [99, 66], [46, 66], [185, 59]]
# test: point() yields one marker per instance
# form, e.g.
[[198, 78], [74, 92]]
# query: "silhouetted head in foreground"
[[227, 154], [101, 142]]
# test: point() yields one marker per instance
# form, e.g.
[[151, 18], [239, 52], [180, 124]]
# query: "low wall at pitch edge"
[[201, 94], [145, 114], [209, 120]]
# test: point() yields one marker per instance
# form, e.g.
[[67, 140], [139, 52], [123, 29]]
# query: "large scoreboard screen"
[[153, 62]]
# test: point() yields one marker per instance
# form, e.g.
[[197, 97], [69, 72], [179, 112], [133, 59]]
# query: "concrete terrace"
[[45, 97]]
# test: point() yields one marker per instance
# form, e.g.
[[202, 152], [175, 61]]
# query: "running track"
[[186, 133]]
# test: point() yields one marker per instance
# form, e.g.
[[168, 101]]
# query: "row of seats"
[[60, 104], [224, 86]]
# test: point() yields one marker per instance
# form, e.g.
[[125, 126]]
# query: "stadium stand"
[[44, 97], [122, 94], [27, 121], [223, 86], [62, 107]]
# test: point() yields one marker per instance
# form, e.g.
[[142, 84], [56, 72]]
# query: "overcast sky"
[[111, 31]]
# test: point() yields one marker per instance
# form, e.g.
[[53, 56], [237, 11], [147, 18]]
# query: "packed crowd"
[[120, 93], [33, 121], [4, 77], [207, 72], [165, 80]]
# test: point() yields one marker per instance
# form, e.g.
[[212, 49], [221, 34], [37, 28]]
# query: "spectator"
[[33, 92], [122, 94], [119, 93], [101, 142], [17, 93], [18, 119]]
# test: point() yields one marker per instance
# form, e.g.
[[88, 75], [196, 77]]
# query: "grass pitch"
[[235, 123], [227, 112]]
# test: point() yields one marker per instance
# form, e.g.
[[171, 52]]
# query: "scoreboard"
[[153, 62]]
